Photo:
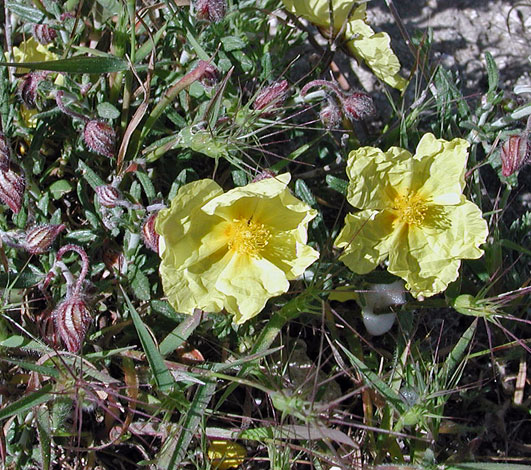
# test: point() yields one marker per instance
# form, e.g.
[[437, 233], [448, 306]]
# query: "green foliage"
[[302, 384]]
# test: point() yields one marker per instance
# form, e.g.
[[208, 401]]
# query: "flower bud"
[[109, 196], [209, 77], [27, 89], [39, 238], [211, 10], [149, 235], [515, 153], [5, 153], [100, 137], [358, 106], [12, 189], [72, 319], [272, 95], [330, 116], [264, 174], [43, 33], [113, 259]]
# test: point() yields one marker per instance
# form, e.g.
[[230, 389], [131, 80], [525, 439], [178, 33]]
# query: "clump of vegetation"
[[218, 251]]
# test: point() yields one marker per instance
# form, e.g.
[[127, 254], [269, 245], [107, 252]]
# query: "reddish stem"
[[84, 266], [60, 104], [322, 83]]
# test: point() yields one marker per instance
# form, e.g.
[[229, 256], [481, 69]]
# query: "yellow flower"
[[226, 454], [232, 250], [28, 116], [32, 51], [413, 212], [361, 40]]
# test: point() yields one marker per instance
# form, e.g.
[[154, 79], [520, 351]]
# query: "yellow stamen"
[[247, 237], [410, 208]]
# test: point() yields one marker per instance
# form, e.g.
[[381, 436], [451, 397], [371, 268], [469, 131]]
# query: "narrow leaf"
[[162, 375], [27, 402], [93, 65]]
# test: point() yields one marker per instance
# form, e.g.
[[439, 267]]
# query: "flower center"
[[410, 208], [247, 236]]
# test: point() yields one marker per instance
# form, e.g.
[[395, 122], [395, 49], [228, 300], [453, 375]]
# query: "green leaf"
[[146, 183], [337, 184], [93, 65], [24, 404], [60, 188], [373, 379], [92, 178], [492, 72], [454, 358], [24, 12], [488, 466], [162, 375], [180, 334], [107, 111], [20, 281], [140, 285], [232, 43], [44, 431], [175, 448]]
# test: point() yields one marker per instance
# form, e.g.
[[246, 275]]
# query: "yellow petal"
[[428, 258], [445, 180], [226, 454], [248, 283], [318, 11], [375, 176], [365, 239], [288, 251], [375, 50]]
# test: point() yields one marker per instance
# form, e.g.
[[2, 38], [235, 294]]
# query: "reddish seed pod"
[[43, 33], [72, 319], [149, 235], [515, 153], [27, 89], [5, 153], [108, 195], [358, 106], [39, 238], [330, 116], [12, 189], [272, 95], [211, 10], [100, 137]]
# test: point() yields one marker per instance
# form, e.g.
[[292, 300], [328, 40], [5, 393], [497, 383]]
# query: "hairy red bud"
[[43, 33], [515, 153], [12, 189], [272, 95], [72, 319], [358, 106], [27, 89], [149, 235], [5, 153], [211, 10], [39, 238], [108, 195], [100, 137], [330, 116]]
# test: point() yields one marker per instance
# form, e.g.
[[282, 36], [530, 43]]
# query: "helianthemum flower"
[[413, 212], [372, 48], [232, 250]]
